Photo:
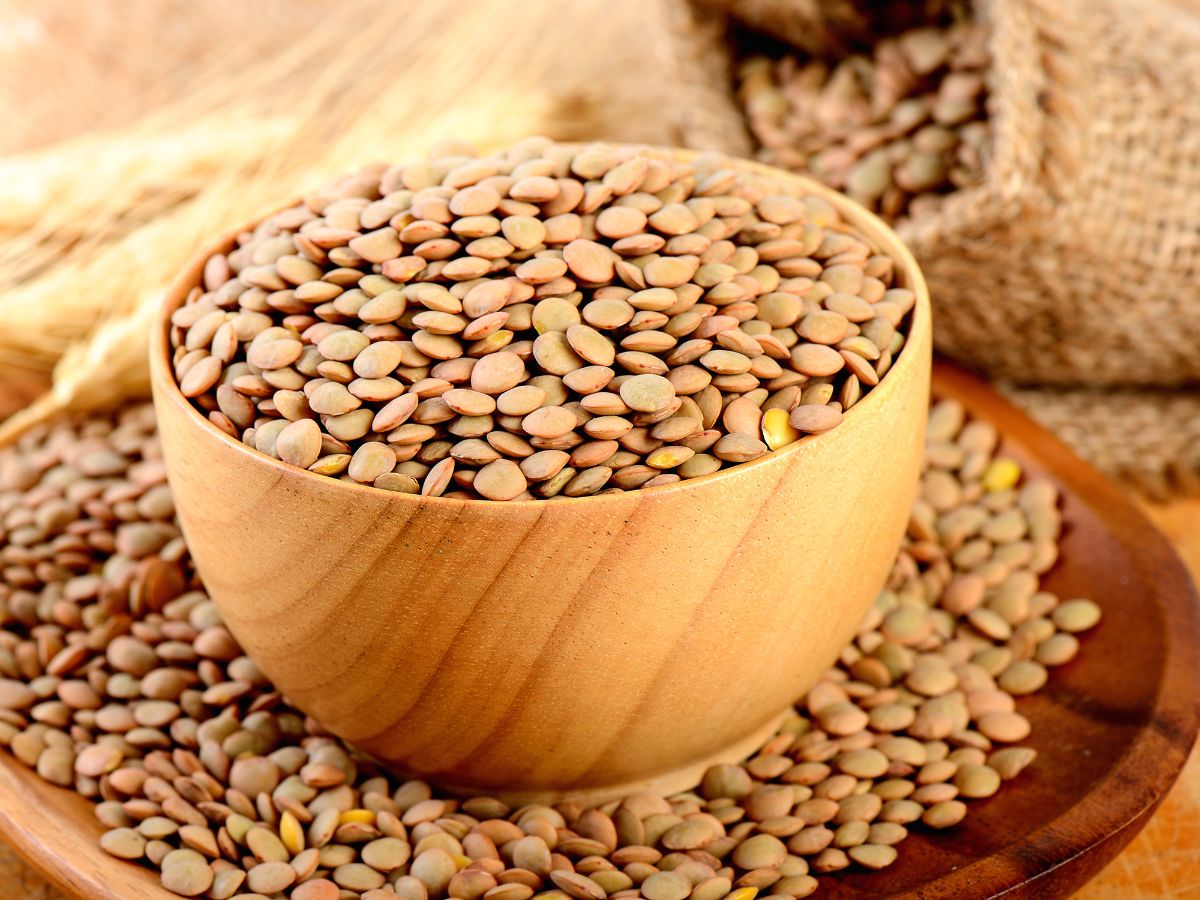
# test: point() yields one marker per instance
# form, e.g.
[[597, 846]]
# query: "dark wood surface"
[[1163, 861], [1113, 728]]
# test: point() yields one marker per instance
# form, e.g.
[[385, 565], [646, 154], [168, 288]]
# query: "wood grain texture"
[[1149, 628], [540, 651], [1163, 862]]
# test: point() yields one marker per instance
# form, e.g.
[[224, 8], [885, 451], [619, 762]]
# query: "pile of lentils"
[[118, 680], [553, 320], [897, 130]]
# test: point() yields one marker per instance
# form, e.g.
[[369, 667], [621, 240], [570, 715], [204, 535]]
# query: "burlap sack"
[[1146, 438], [1076, 263], [1076, 260], [697, 42]]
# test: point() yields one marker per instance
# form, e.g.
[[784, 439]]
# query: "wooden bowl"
[[576, 648]]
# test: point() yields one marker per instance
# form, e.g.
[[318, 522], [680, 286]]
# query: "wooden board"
[[1113, 728], [1163, 861]]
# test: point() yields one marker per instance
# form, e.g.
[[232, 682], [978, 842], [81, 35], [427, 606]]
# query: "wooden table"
[[1162, 863]]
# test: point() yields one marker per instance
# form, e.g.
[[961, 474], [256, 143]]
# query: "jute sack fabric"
[[1146, 438], [696, 38], [1076, 260], [1076, 263]]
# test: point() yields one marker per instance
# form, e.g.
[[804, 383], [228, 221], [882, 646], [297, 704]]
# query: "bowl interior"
[[880, 234]]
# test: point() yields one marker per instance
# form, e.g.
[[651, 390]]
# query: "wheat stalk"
[[92, 228]]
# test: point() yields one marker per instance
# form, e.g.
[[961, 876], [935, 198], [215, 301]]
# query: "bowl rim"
[[882, 237]]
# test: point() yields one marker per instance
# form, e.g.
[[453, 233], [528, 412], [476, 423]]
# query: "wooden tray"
[[1112, 729]]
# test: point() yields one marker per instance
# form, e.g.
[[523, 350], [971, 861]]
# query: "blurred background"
[[1042, 158]]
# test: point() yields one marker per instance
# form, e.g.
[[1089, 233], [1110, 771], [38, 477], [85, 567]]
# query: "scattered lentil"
[[228, 789]]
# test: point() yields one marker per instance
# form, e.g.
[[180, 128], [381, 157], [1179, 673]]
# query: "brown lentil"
[[897, 130], [662, 304], [839, 785]]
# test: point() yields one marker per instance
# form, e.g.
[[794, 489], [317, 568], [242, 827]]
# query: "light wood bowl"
[[575, 648]]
